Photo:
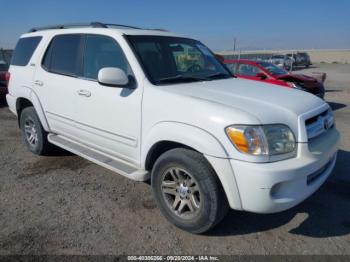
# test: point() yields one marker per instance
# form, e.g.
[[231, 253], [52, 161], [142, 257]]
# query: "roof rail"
[[92, 24], [158, 29], [119, 25]]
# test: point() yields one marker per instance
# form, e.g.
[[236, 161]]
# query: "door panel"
[[108, 118], [57, 82]]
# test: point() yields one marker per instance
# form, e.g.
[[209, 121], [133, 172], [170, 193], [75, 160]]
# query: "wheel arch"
[[172, 134], [160, 148], [27, 99]]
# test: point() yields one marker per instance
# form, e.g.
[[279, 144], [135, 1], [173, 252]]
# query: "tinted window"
[[24, 50], [100, 52], [63, 55]]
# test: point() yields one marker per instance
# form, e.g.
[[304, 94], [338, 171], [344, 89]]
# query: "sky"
[[256, 24]]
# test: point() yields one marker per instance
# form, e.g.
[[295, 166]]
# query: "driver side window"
[[100, 52], [248, 70]]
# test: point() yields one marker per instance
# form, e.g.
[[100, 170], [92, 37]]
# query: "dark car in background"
[[269, 73], [4, 77], [300, 59]]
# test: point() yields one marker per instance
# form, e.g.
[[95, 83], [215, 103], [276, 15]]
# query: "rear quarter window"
[[24, 50]]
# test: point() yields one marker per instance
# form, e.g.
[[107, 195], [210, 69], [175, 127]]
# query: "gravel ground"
[[66, 205]]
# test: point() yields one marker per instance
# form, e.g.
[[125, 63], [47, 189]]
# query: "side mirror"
[[261, 75], [112, 76]]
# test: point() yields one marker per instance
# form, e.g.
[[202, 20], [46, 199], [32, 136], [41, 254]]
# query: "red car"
[[4, 75], [269, 73]]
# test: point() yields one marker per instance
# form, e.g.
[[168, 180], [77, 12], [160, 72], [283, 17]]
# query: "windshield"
[[176, 60], [272, 69]]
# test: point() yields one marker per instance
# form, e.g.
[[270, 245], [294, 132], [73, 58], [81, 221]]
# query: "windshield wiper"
[[218, 76], [180, 78]]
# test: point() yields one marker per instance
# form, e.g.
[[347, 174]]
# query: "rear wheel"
[[33, 133], [188, 191]]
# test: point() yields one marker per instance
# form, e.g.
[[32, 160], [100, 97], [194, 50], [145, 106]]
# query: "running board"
[[117, 166]]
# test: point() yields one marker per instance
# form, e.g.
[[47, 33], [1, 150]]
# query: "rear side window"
[[63, 55], [24, 50], [248, 70]]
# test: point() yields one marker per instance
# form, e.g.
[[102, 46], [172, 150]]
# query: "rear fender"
[[30, 95]]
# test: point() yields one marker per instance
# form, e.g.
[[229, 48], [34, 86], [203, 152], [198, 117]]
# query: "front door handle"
[[38, 83], [85, 93]]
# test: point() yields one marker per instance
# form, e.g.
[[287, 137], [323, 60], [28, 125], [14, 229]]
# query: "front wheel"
[[187, 190]]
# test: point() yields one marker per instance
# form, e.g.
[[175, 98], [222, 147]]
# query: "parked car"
[[282, 61], [3, 78], [150, 104], [300, 59], [270, 73]]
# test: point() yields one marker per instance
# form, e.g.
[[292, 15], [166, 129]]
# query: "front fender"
[[189, 135]]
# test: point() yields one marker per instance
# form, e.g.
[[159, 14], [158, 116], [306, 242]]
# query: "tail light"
[[7, 78]]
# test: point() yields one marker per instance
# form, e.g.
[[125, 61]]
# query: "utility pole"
[[234, 44]]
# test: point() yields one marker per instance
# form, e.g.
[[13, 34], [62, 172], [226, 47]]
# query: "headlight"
[[262, 140]]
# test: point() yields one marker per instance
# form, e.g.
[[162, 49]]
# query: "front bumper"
[[277, 186]]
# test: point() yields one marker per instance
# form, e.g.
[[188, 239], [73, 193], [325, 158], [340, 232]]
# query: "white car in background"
[[282, 61], [150, 104]]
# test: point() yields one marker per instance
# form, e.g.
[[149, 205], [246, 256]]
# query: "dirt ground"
[[66, 205]]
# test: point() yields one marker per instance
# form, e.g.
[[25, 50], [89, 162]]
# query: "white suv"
[[152, 104]]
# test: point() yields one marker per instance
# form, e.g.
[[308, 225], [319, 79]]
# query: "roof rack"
[[92, 24]]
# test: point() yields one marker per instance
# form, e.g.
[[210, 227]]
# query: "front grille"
[[319, 124]]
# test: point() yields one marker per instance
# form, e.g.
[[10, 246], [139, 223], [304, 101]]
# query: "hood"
[[267, 103], [297, 78]]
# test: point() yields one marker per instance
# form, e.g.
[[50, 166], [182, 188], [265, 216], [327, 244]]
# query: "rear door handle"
[[85, 93], [38, 83]]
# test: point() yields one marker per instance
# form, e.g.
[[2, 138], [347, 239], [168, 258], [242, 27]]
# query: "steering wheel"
[[194, 68]]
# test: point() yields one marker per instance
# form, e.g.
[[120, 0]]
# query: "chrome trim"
[[322, 125]]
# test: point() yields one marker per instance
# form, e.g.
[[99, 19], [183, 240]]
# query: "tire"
[[33, 133], [205, 203]]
